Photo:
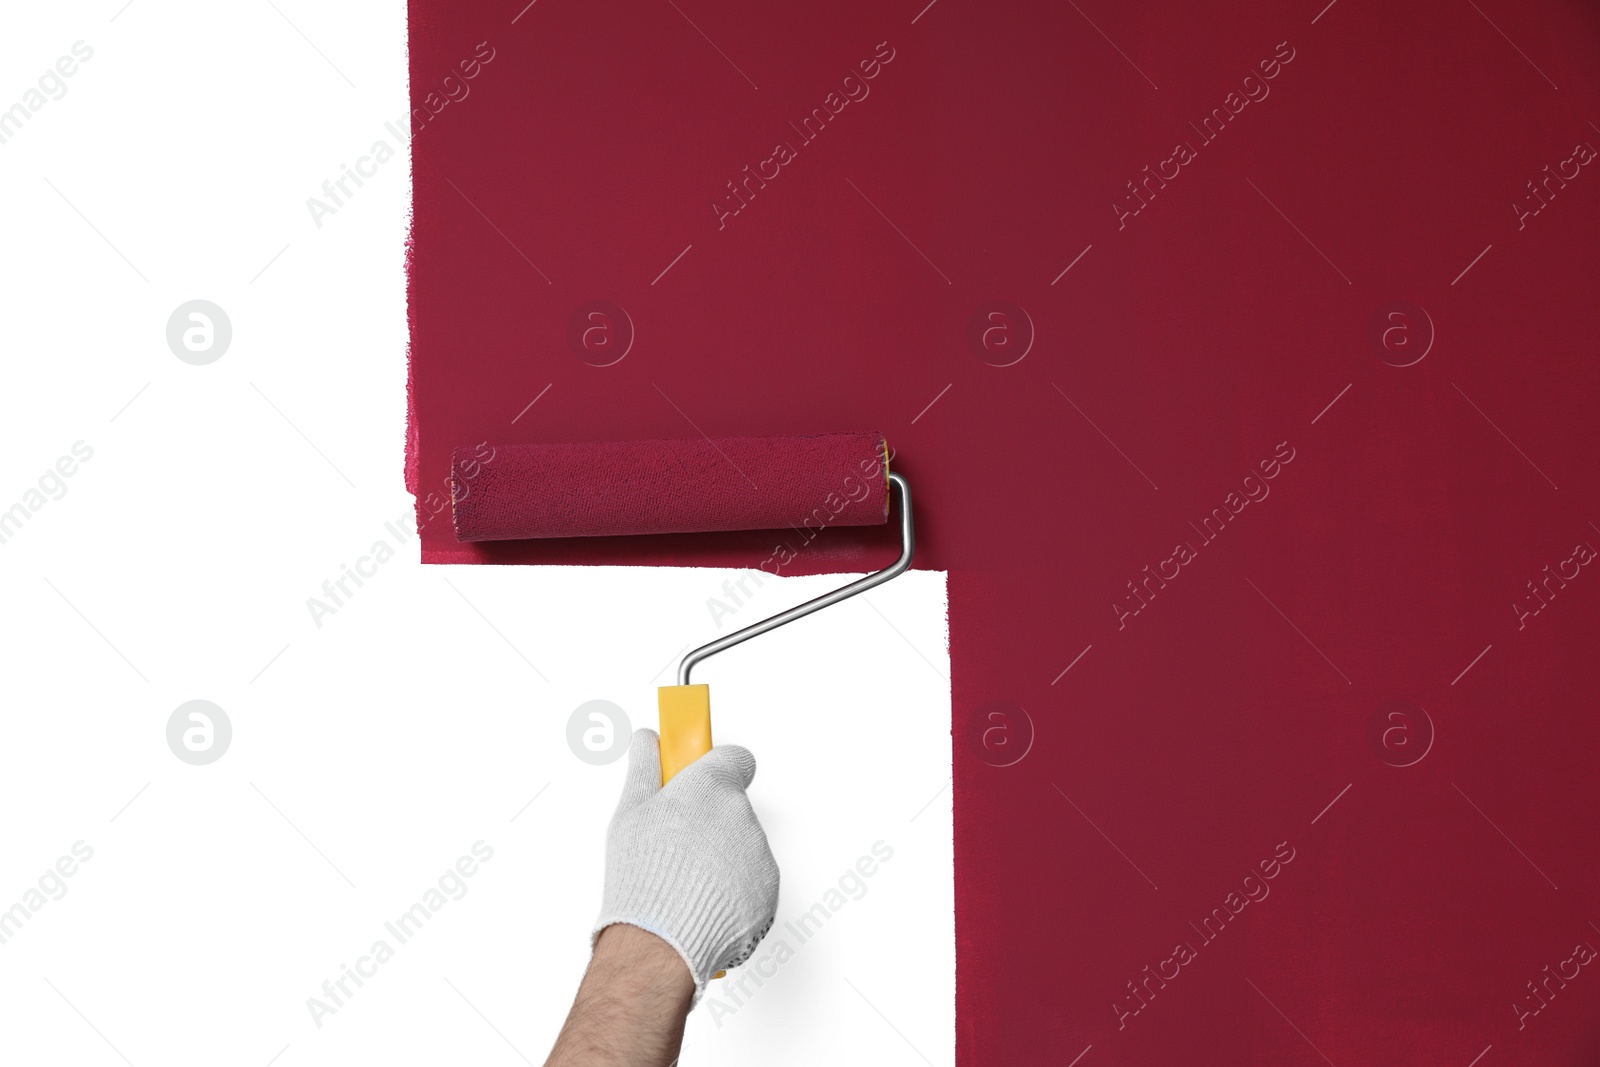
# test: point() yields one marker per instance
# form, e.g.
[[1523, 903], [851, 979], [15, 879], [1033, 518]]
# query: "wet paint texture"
[[1235, 359]]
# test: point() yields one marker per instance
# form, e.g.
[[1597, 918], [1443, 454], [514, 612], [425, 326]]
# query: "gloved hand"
[[689, 862]]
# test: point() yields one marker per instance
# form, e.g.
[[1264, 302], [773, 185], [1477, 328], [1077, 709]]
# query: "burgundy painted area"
[[1235, 354]]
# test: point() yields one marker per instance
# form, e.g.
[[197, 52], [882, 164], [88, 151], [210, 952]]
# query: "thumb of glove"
[[643, 780]]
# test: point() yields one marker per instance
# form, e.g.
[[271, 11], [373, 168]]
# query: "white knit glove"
[[689, 862]]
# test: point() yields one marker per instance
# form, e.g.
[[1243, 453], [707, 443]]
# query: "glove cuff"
[[670, 896]]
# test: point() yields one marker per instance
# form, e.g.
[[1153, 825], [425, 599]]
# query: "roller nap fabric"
[[680, 486]]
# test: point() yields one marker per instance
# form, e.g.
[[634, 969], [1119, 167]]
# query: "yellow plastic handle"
[[685, 730], [685, 726]]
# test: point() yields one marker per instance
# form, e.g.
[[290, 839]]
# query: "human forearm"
[[631, 1006]]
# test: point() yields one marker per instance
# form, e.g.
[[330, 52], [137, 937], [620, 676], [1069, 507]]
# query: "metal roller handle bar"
[[861, 585]]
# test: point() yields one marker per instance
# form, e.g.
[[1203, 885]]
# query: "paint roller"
[[685, 486]]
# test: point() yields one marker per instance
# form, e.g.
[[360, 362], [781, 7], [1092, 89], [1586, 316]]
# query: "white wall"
[[371, 751]]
